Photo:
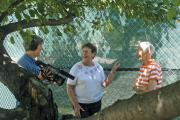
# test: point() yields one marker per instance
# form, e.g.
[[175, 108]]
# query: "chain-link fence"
[[118, 44]]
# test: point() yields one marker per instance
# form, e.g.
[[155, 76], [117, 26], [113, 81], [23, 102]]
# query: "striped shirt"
[[150, 71]]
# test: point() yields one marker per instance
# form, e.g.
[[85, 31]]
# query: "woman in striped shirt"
[[150, 74]]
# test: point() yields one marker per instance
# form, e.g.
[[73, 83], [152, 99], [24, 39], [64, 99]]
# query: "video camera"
[[57, 75]]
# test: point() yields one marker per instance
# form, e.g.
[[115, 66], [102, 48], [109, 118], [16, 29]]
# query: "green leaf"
[[68, 29], [26, 16], [18, 15], [45, 30], [177, 2], [32, 13], [4, 4], [108, 26], [40, 8], [19, 27], [171, 14], [12, 40], [59, 33], [26, 35]]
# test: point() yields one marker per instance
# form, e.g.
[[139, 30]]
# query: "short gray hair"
[[147, 47]]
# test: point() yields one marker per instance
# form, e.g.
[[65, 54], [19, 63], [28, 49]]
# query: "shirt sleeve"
[[34, 69], [155, 73], [29, 65], [102, 74], [72, 72]]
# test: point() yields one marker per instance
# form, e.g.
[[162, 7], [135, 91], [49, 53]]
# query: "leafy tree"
[[43, 13]]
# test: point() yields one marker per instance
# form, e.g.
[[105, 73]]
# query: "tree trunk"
[[36, 100], [1, 47], [163, 104]]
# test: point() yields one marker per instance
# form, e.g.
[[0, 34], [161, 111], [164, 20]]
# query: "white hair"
[[146, 47]]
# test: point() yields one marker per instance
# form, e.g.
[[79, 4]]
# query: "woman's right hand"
[[77, 109]]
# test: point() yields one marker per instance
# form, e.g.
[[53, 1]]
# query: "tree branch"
[[13, 5], [2, 48], [156, 105], [36, 23]]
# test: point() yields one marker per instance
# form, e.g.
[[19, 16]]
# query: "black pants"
[[90, 109]]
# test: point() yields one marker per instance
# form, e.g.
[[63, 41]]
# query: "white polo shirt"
[[88, 82]]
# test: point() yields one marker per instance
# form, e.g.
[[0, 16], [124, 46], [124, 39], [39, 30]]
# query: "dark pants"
[[90, 108]]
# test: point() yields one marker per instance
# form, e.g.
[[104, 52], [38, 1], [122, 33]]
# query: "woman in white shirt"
[[86, 91]]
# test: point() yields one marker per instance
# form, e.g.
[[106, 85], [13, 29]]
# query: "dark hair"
[[91, 46], [35, 41]]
